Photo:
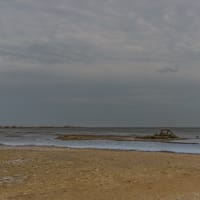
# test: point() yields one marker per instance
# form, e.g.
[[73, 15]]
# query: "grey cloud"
[[168, 70], [86, 57], [51, 53], [93, 32]]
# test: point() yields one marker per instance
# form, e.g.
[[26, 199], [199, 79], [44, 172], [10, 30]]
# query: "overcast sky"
[[100, 62]]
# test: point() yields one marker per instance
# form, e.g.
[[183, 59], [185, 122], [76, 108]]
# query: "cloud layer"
[[108, 62]]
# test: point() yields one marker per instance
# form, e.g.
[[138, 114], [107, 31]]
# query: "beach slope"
[[60, 173]]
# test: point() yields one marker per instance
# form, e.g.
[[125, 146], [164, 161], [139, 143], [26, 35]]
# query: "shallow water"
[[46, 137]]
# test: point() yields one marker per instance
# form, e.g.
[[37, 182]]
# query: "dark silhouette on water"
[[164, 134]]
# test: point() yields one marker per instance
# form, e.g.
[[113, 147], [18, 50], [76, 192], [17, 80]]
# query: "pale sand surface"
[[72, 174]]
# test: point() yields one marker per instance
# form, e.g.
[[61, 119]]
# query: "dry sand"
[[71, 174]]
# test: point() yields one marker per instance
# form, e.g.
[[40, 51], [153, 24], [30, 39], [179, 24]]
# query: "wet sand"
[[73, 174]]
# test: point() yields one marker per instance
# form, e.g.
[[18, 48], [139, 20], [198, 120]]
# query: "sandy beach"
[[73, 174]]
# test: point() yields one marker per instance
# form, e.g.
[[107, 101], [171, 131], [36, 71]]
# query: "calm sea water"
[[46, 137]]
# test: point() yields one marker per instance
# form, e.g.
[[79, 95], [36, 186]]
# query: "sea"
[[47, 136]]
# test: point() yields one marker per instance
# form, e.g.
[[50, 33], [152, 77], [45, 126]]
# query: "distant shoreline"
[[99, 127]]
